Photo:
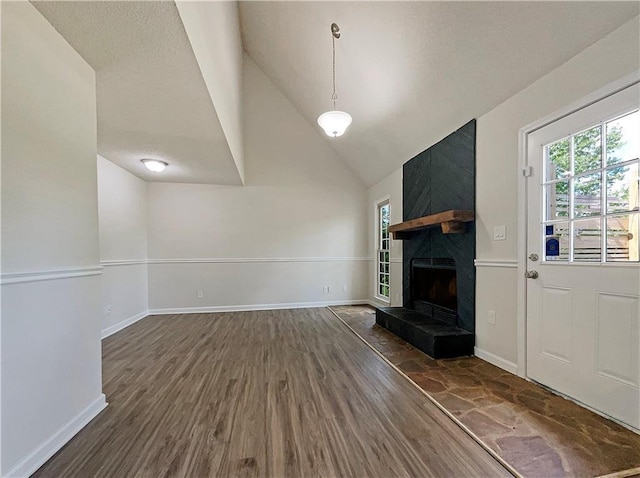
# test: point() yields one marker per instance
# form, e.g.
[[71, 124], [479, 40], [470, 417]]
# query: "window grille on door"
[[591, 193]]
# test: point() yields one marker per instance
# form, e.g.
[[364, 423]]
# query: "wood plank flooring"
[[268, 393]]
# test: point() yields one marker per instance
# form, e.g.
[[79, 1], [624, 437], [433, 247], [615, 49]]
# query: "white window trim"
[[376, 237]]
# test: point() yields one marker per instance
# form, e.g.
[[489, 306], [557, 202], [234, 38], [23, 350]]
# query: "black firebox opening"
[[434, 288]]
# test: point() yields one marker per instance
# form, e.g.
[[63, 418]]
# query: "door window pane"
[[586, 240], [558, 161], [557, 195], [587, 150], [623, 138], [587, 195], [559, 232], [622, 188], [623, 238]]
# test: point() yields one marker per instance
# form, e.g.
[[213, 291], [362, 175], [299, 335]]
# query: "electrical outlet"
[[492, 317], [200, 294], [499, 233], [329, 289], [107, 309]]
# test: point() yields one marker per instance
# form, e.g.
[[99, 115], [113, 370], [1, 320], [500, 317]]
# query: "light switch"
[[499, 233]]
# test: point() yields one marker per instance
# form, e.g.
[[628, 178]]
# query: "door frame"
[[521, 311]]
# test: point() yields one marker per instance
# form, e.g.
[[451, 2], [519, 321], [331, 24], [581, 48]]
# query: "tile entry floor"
[[538, 433]]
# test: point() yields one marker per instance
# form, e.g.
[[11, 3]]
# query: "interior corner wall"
[[611, 58], [123, 246], [51, 353], [297, 226], [391, 188]]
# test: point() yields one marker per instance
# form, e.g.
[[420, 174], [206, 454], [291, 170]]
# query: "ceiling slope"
[[213, 29], [412, 72], [152, 99]]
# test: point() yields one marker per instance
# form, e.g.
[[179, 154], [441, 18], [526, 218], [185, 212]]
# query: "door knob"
[[531, 274], [533, 257]]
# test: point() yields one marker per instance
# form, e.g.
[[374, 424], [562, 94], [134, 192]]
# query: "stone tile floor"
[[538, 433]]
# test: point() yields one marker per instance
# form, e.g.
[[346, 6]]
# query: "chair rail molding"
[[37, 276], [233, 260], [123, 262], [500, 263]]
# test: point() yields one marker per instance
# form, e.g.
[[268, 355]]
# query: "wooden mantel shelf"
[[452, 222]]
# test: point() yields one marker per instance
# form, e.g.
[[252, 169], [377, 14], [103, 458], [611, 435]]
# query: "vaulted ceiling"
[[409, 73]]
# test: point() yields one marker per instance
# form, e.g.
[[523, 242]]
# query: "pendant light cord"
[[334, 97]]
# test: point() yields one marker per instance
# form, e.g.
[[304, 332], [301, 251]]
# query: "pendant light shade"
[[334, 123]]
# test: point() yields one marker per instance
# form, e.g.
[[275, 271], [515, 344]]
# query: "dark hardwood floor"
[[270, 393]]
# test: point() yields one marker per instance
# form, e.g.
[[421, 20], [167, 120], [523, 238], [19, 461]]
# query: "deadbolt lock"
[[533, 257]]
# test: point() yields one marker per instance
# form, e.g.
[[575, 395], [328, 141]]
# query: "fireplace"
[[434, 290]]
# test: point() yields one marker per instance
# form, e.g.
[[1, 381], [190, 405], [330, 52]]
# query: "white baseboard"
[[378, 303], [46, 450], [121, 325], [243, 308], [495, 360]]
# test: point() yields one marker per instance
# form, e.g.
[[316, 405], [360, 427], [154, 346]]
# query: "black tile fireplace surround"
[[438, 179]]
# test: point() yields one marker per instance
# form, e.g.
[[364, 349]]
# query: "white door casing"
[[582, 319]]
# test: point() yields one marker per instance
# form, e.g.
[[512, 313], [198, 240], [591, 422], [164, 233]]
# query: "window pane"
[[586, 240], [623, 138], [386, 268], [622, 188], [622, 238], [384, 215], [558, 250], [386, 257], [558, 160], [587, 195], [385, 291], [385, 279], [587, 150], [381, 267], [557, 195], [381, 256]]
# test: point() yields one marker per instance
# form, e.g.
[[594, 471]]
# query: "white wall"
[[123, 246], [213, 29], [297, 225], [609, 59], [390, 187], [51, 373]]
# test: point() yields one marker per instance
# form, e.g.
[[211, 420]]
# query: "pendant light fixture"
[[335, 122]]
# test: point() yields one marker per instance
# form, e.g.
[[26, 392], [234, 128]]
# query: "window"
[[382, 274], [591, 193]]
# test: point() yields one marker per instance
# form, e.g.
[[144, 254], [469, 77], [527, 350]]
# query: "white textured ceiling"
[[408, 72], [152, 100], [412, 72]]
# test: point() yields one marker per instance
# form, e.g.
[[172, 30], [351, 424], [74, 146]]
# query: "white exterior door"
[[583, 238]]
